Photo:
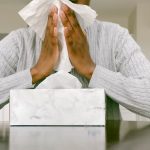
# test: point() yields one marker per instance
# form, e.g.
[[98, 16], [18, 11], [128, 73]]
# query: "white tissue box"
[[57, 107]]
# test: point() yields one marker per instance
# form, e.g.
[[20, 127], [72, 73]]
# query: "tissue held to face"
[[77, 46], [86, 2]]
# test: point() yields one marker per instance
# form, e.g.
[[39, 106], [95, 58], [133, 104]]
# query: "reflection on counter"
[[128, 135], [56, 138], [119, 136]]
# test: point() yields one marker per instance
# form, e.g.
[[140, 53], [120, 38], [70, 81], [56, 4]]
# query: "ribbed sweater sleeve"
[[9, 78], [130, 84]]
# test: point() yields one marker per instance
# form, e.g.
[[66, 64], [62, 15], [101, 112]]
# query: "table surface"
[[115, 136]]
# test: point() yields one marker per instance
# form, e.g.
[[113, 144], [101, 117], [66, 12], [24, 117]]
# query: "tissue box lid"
[[57, 107]]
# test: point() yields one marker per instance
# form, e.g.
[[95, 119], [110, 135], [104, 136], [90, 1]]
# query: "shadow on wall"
[[2, 35]]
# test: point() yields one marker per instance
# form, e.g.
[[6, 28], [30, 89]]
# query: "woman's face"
[[86, 2]]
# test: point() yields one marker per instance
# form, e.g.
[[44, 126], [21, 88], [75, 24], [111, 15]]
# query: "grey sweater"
[[121, 68]]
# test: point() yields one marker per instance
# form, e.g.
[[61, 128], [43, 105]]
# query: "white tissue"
[[35, 14], [60, 80]]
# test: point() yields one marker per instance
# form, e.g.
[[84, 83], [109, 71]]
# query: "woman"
[[107, 57]]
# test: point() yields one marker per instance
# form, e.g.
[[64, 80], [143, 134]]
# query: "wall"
[[122, 20], [143, 27], [10, 20], [132, 23]]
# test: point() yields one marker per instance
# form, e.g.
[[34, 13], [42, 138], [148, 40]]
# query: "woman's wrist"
[[35, 75], [90, 71]]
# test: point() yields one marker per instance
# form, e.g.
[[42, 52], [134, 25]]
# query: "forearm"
[[18, 80], [132, 93]]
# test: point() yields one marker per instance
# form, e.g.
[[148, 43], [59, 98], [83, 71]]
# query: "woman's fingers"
[[52, 26], [72, 19], [66, 23]]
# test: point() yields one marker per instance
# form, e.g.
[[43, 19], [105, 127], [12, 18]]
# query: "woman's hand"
[[49, 52], [77, 45]]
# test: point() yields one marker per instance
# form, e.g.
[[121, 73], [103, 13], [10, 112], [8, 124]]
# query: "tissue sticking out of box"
[[60, 80]]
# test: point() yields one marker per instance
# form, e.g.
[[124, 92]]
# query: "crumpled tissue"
[[35, 14]]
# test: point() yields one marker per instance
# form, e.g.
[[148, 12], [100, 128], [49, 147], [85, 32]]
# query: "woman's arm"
[[9, 79], [9, 56], [130, 85]]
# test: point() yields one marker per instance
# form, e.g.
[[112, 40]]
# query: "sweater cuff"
[[26, 78], [22, 79], [98, 77]]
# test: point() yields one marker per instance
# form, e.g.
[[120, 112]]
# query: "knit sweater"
[[121, 68]]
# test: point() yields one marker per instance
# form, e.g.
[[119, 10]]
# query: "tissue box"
[[57, 107]]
